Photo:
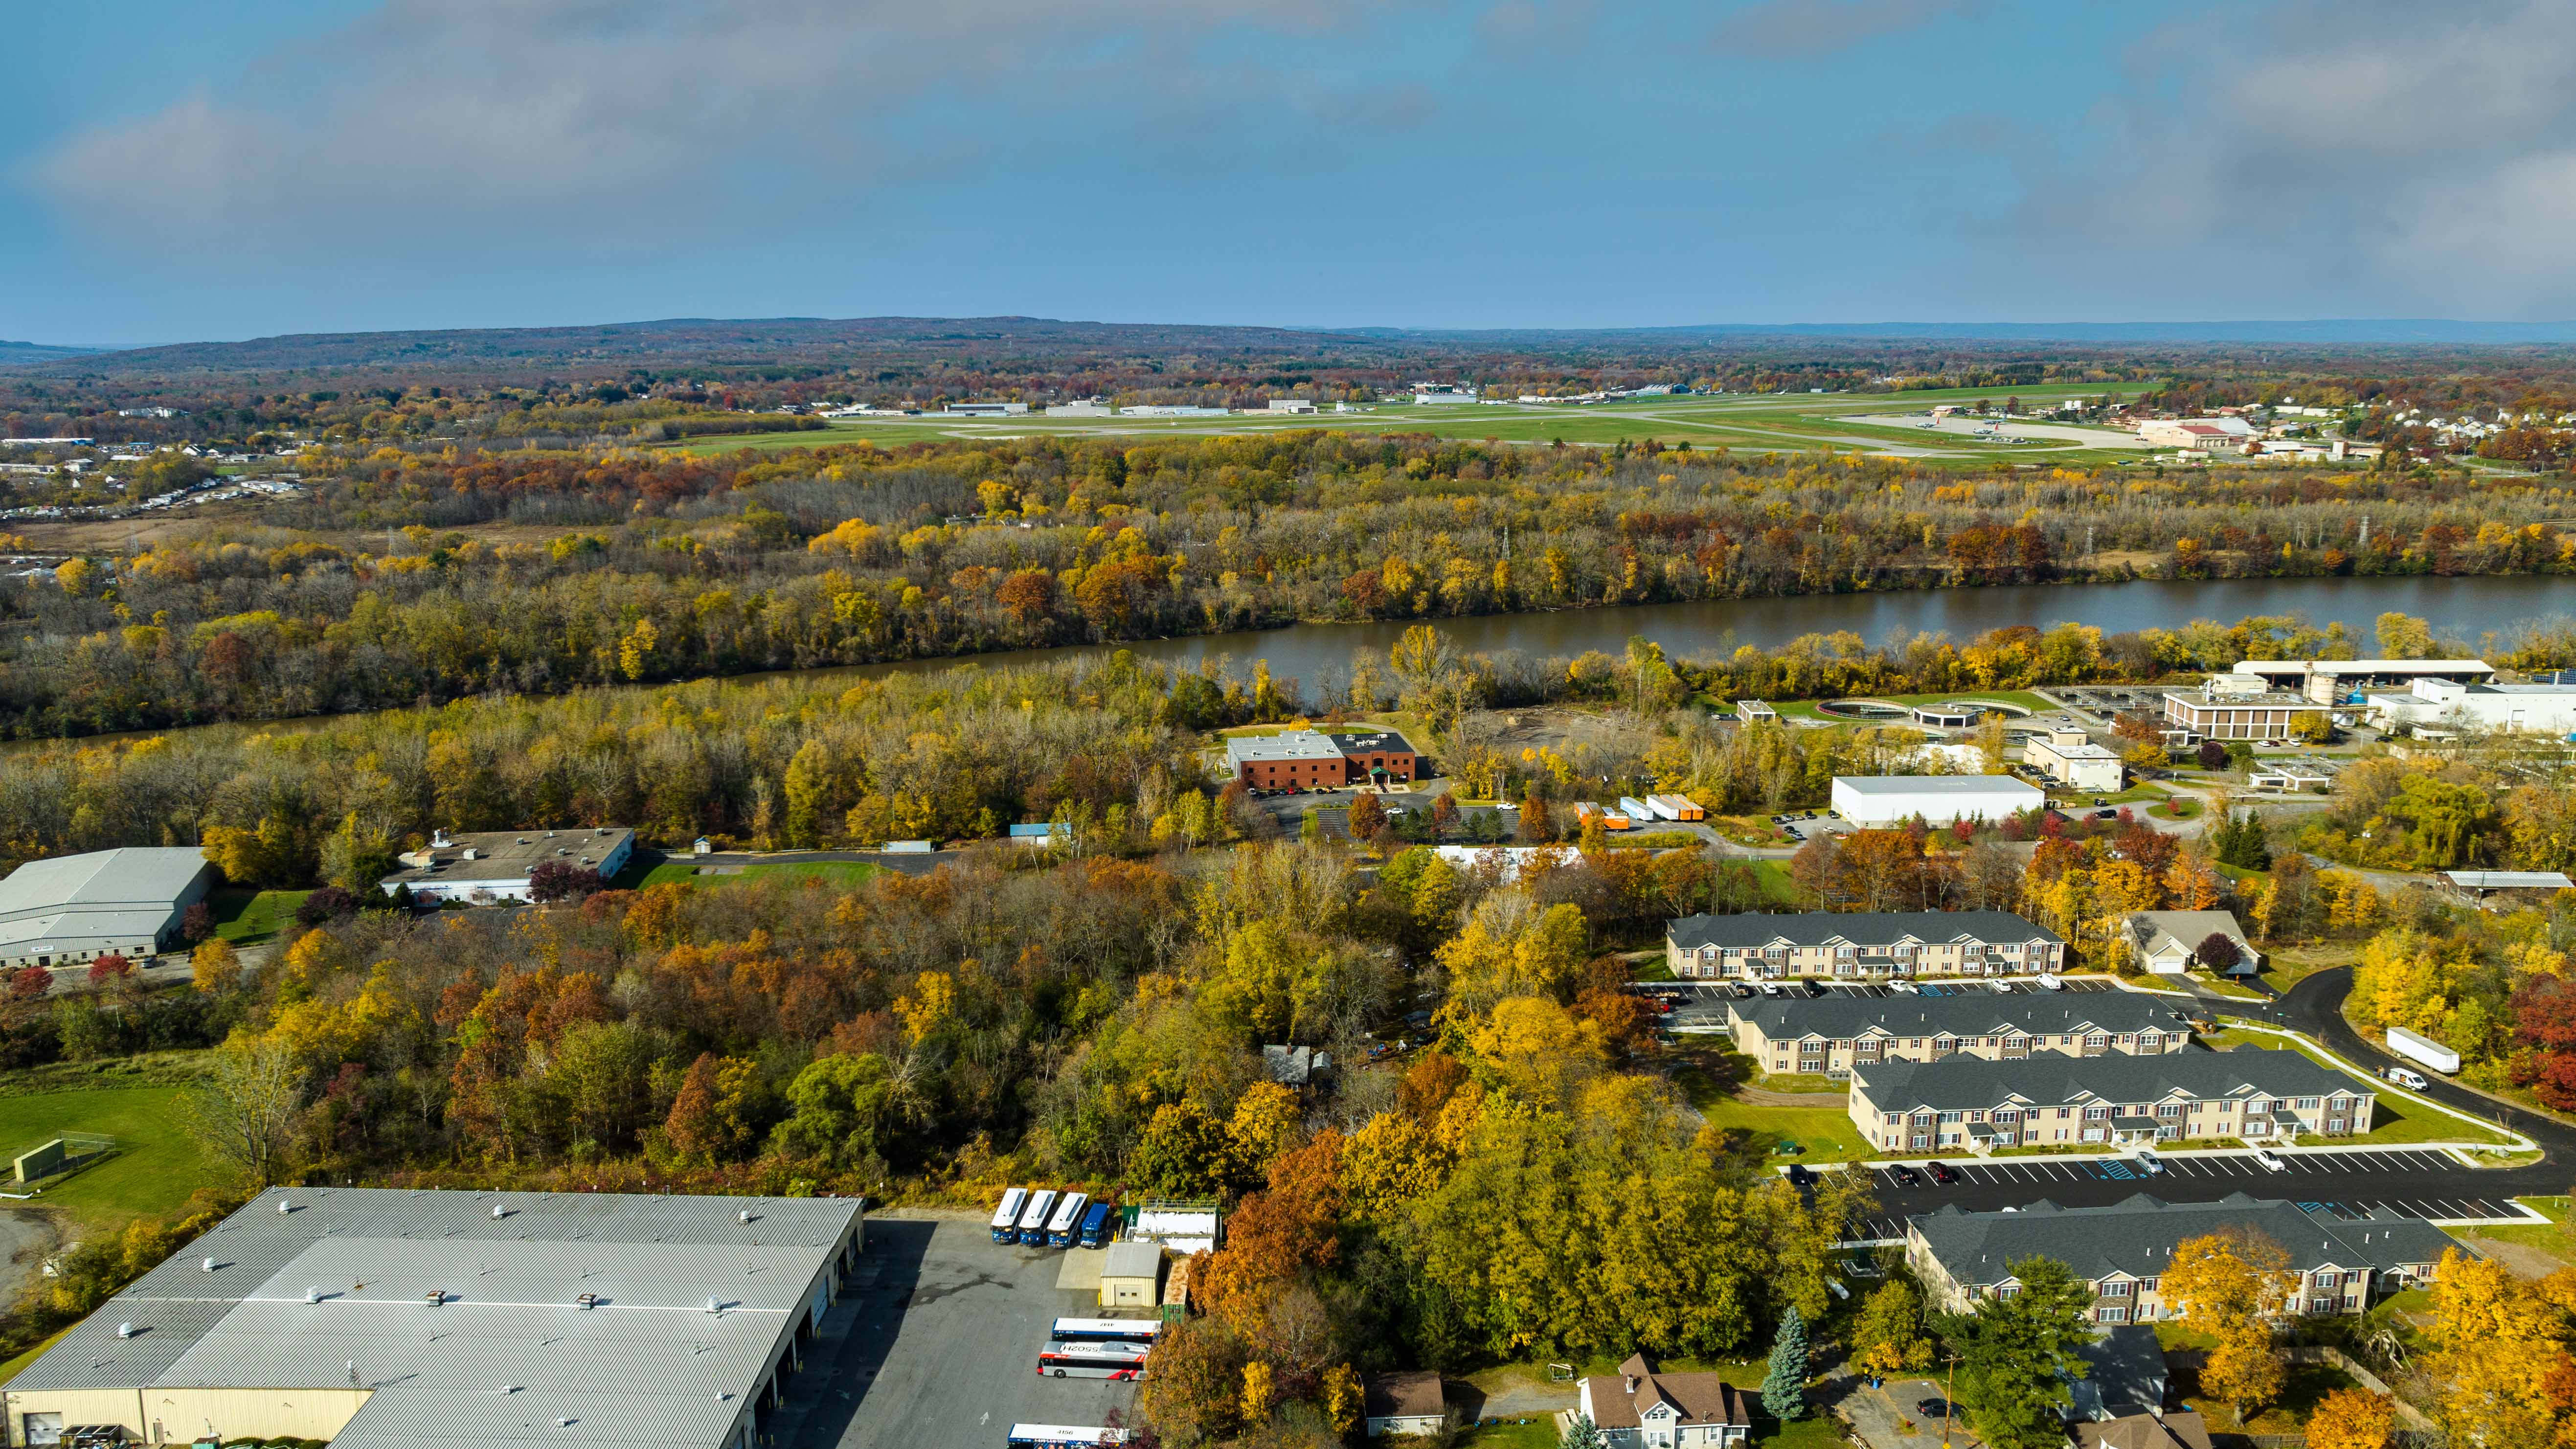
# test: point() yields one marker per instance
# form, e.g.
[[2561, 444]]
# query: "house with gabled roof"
[[1971, 1104], [1638, 1406], [2341, 1259], [1830, 1035], [1859, 945]]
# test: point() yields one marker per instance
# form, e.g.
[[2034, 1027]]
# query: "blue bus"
[[1095, 1226]]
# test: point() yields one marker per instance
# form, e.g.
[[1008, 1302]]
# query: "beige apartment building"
[[1859, 945], [1971, 1104], [1828, 1036], [2122, 1251]]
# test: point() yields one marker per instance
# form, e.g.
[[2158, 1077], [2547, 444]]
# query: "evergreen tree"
[[1580, 1434], [1784, 1389], [2240, 842], [2018, 1355]]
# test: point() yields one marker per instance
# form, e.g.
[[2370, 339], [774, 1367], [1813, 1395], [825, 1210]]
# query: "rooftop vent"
[[284, 1206], [312, 1295], [714, 1304], [499, 1211], [744, 1215], [207, 1266], [435, 1297], [125, 1330], [588, 1300], [509, 1388]]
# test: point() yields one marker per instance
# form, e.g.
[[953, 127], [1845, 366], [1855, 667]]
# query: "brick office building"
[[1303, 759]]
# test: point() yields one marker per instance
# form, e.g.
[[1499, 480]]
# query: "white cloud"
[[2367, 157], [663, 117]]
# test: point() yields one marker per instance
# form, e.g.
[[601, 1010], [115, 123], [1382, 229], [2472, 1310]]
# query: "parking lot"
[[2411, 1182], [936, 1347]]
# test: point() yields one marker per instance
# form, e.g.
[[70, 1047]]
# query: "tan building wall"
[[1954, 958], [1822, 1054], [2327, 1289], [2091, 1122], [175, 1415]]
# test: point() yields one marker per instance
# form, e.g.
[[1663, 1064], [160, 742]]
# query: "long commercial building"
[[2446, 705], [500, 865], [2121, 1252], [1966, 1103], [1877, 801], [386, 1319], [2228, 713], [1302, 759], [1855, 945], [1831, 1035], [76, 908], [2341, 681]]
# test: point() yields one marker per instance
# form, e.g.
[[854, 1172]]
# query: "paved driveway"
[[1886, 1418]]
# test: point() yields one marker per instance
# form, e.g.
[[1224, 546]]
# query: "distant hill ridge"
[[680, 341]]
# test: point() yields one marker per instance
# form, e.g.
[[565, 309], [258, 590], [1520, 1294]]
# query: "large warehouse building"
[[76, 908], [1870, 801], [385, 1319]]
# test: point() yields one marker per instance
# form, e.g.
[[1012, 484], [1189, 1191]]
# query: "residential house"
[[1403, 1403], [1854, 945], [1638, 1406], [1833, 1034], [2120, 1252], [1978, 1105], [2167, 943]]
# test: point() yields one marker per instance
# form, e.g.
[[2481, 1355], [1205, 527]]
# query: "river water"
[[2466, 610]]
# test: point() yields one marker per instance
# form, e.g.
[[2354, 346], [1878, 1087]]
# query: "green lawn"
[[2176, 807], [1790, 422], [1538, 1433], [1825, 1134], [1773, 876], [683, 868], [246, 917], [1806, 708], [160, 1162]]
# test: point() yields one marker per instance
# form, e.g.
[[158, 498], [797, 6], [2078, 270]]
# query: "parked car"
[[1770, 988], [2270, 1160], [1815, 987], [2000, 988], [1943, 1173], [1905, 1176], [1902, 988], [2051, 983], [2149, 1163], [1933, 1408], [2405, 1078], [1741, 990], [1801, 1175]]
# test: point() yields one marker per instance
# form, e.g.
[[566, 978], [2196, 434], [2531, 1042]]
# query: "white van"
[[2412, 1081]]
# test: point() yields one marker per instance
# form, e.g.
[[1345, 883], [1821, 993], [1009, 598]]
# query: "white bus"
[[1062, 1436], [1066, 1225], [1006, 1218], [1121, 1361], [1033, 1218], [1106, 1330]]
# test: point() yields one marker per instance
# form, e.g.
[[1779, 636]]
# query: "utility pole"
[[1949, 1400]]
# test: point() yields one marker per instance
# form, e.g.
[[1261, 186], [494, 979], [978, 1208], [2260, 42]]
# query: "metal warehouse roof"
[[339, 1285], [137, 878], [1937, 785], [2509, 880]]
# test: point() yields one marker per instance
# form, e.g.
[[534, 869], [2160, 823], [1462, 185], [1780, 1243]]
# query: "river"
[[2462, 609]]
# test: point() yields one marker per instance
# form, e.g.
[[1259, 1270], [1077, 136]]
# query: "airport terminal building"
[[389, 1319]]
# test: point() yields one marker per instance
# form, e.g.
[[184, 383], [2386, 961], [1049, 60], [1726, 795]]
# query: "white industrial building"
[[1291, 405], [496, 865], [1880, 800], [2445, 704], [76, 908], [2067, 756], [2341, 681], [392, 1319]]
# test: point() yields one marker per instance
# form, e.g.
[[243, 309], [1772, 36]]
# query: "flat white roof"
[[2510, 880], [1294, 745], [2360, 666], [1936, 785]]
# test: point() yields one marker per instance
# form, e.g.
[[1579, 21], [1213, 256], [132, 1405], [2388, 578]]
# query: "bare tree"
[[244, 1110]]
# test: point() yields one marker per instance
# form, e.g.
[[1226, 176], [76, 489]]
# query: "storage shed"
[[1132, 1276]]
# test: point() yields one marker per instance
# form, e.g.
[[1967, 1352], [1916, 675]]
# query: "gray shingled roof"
[[2137, 1237], [1859, 928], [2050, 1078], [648, 1366], [1978, 1014]]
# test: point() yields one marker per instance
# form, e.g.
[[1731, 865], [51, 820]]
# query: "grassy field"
[[684, 868], [247, 918], [159, 1164], [1780, 422], [1806, 708], [1824, 1134], [1773, 875]]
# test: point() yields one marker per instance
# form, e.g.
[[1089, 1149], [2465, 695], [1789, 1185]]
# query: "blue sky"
[[186, 171]]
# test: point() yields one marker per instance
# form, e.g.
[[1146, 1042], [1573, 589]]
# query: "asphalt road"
[[2412, 1182]]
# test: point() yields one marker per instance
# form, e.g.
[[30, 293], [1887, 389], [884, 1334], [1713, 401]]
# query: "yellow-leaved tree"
[[2230, 1284]]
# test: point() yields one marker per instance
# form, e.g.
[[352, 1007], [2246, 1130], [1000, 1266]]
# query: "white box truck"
[[2423, 1050]]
